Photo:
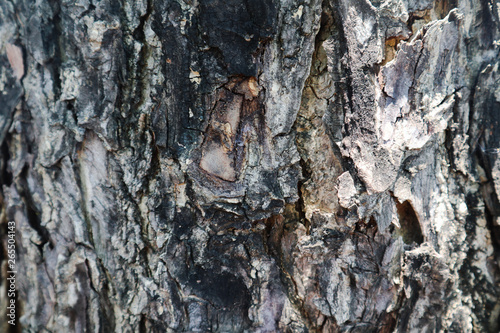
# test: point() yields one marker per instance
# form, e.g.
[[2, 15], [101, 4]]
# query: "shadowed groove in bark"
[[410, 226], [32, 212], [82, 188], [302, 127], [142, 74], [491, 211], [53, 40], [6, 174]]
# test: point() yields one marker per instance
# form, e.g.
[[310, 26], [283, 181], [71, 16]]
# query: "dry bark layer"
[[251, 166]]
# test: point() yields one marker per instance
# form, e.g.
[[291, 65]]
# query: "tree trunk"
[[251, 166]]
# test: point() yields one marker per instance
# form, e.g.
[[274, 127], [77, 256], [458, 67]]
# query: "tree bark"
[[251, 166]]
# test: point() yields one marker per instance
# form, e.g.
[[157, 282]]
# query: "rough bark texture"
[[252, 165]]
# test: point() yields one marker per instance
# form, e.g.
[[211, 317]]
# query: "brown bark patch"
[[230, 128]]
